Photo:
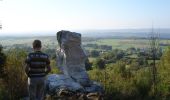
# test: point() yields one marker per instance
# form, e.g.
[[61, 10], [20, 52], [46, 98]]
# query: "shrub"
[[15, 79]]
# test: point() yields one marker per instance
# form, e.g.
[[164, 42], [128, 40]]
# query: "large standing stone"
[[71, 56]]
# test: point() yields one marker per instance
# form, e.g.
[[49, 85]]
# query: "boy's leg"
[[41, 89], [32, 89]]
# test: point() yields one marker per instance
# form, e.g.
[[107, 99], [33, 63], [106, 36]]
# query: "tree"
[[2, 62], [99, 63], [88, 65], [94, 53], [119, 55], [154, 47], [141, 61], [131, 50]]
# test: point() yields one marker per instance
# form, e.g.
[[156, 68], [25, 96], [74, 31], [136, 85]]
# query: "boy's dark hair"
[[36, 44]]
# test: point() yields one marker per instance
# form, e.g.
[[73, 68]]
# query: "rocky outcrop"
[[71, 61]]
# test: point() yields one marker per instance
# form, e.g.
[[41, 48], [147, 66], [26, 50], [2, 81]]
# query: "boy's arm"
[[27, 69], [48, 69], [27, 65], [48, 66]]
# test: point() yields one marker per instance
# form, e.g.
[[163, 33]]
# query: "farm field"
[[51, 41], [126, 43]]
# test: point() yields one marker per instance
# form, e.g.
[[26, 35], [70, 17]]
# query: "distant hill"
[[116, 33], [124, 33]]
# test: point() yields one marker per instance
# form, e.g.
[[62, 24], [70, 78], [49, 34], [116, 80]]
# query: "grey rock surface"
[[71, 56]]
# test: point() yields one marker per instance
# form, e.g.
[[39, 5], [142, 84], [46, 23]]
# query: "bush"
[[15, 79], [163, 82], [123, 84]]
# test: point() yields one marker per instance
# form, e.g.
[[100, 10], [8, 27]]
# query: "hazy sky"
[[51, 15]]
